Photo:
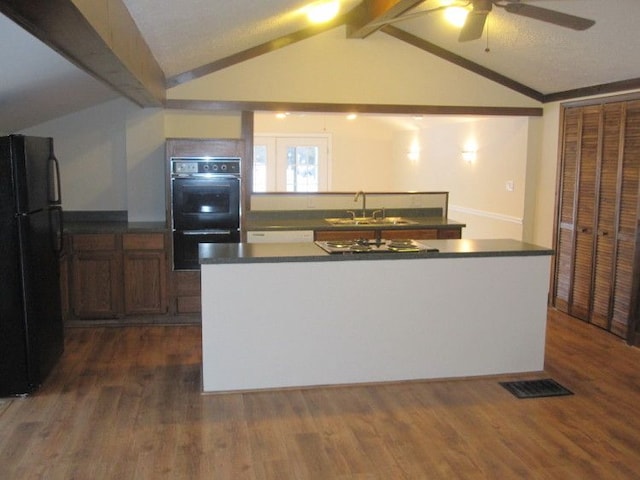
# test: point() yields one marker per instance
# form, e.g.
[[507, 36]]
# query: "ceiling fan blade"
[[473, 26], [549, 16]]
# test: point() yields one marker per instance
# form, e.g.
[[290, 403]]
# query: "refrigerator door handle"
[[56, 230], [55, 196], [60, 233]]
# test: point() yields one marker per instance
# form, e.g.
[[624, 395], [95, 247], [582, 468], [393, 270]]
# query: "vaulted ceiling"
[[72, 53]]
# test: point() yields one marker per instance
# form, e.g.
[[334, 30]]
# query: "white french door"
[[291, 163]]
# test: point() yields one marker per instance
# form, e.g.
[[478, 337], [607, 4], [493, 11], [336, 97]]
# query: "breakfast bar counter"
[[293, 315]]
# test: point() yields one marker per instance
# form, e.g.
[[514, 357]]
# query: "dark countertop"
[[76, 227], [321, 224], [106, 221], [115, 221], [225, 253]]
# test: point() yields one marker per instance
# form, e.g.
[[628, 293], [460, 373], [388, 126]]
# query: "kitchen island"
[[293, 315]]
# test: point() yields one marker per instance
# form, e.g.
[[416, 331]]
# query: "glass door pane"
[[290, 164], [260, 168], [302, 164], [302, 169]]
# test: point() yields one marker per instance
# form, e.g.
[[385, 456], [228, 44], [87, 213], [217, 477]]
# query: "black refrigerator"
[[31, 328]]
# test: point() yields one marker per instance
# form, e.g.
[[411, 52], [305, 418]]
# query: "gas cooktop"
[[372, 246]]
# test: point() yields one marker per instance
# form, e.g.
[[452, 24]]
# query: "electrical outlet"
[[509, 185]]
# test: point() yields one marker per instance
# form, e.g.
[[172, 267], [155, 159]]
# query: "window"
[[291, 164]]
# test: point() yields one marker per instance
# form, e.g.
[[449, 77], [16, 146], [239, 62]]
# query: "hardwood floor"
[[125, 403]]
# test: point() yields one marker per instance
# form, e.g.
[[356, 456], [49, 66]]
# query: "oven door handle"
[[206, 232]]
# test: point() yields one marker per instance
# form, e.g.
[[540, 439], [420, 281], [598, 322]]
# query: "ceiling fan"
[[480, 9]]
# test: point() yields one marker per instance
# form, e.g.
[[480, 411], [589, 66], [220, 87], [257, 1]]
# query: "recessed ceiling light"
[[352, 116], [324, 11]]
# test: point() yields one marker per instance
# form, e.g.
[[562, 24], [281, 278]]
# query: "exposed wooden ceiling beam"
[[462, 62], [254, 52], [593, 90], [101, 38], [366, 19], [250, 106]]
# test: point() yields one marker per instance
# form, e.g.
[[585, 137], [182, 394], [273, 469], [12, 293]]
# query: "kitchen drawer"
[[143, 241], [417, 234], [95, 241], [187, 283], [188, 304], [324, 235], [450, 233]]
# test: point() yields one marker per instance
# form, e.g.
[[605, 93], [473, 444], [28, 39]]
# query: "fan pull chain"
[[487, 49]]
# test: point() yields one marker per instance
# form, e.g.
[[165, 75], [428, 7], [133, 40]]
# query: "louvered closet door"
[[607, 213], [564, 244], [625, 283], [596, 277], [585, 214]]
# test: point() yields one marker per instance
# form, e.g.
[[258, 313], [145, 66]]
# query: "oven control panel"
[[209, 165]]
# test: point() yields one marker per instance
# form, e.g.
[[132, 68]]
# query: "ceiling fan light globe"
[[456, 16], [323, 11]]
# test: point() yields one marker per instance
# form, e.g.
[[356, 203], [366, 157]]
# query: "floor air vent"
[[536, 388]]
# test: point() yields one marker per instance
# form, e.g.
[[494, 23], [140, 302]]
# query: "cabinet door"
[[144, 282], [97, 281], [453, 233], [144, 269], [186, 288], [324, 235], [417, 234]]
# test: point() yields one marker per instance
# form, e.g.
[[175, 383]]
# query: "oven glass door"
[[206, 203]]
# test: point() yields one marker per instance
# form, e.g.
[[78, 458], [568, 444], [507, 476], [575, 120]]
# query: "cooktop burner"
[[372, 246]]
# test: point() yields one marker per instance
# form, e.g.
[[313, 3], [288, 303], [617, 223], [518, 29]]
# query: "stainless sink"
[[369, 221]]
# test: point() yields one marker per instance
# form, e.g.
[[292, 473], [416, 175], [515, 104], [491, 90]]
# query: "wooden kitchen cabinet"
[[449, 233], [389, 234], [596, 270], [96, 290], [417, 234], [114, 275], [186, 291], [326, 235], [145, 273]]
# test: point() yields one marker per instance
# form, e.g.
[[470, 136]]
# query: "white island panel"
[[288, 324]]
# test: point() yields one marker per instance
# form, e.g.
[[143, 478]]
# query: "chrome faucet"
[[364, 202]]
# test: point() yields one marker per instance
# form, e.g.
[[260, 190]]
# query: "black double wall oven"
[[205, 204]]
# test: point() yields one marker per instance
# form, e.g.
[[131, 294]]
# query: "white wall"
[[91, 148], [145, 157], [545, 181], [361, 149], [112, 158], [478, 193], [113, 154], [329, 67], [377, 150]]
